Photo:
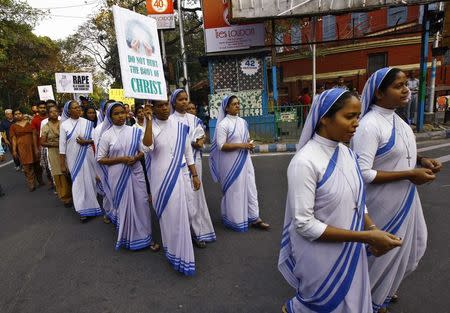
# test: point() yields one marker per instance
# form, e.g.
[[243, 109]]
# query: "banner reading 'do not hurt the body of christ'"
[[140, 57]]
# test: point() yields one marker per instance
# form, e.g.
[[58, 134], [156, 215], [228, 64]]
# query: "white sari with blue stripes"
[[198, 208], [80, 162], [127, 184], [103, 188], [382, 141], [170, 142], [328, 276], [236, 175]]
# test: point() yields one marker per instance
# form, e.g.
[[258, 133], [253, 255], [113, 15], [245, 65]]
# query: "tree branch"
[[191, 31]]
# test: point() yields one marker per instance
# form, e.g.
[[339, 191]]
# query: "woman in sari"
[[77, 157], [231, 165], [120, 149], [387, 155], [50, 140], [170, 153], [24, 148], [326, 223], [203, 230]]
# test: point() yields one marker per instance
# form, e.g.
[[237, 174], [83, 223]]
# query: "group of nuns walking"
[[150, 175], [354, 226]]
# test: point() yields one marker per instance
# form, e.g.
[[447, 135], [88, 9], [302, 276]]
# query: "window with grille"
[[397, 16], [376, 61]]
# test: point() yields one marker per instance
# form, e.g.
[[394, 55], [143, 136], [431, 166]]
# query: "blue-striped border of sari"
[[390, 144], [126, 171], [185, 267], [330, 168], [396, 222], [90, 212], [210, 237], [73, 129], [81, 152], [173, 171], [137, 244]]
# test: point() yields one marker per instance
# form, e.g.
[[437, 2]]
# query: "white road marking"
[[7, 163], [444, 158], [433, 147]]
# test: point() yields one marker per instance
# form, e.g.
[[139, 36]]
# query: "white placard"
[[164, 21], [234, 37], [46, 93], [140, 57], [74, 82], [250, 66]]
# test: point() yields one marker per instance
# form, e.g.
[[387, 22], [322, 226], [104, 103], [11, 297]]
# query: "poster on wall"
[[220, 35], [74, 82], [140, 55], [46, 93], [162, 11]]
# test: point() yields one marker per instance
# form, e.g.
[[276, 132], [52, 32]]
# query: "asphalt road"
[[50, 262]]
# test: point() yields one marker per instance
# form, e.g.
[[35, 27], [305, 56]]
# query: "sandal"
[[83, 219], [284, 309], [200, 243], [394, 298], [261, 225], [155, 247]]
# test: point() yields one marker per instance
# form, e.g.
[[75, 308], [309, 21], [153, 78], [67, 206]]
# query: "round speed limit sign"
[[160, 6]]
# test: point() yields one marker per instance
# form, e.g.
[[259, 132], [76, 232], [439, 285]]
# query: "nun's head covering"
[[223, 108], [372, 84], [107, 122], [213, 155], [320, 107], [173, 99], [102, 108], [65, 113]]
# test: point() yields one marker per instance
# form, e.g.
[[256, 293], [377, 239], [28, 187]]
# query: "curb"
[[440, 134], [292, 147]]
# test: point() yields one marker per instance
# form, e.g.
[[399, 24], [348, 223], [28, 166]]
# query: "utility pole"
[[314, 87], [183, 49], [433, 69], [423, 69]]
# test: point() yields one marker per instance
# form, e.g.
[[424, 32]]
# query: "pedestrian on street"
[[77, 158], [170, 152], [411, 108], [326, 226], [387, 156], [90, 113], [232, 167], [120, 150], [42, 153], [103, 189], [50, 140], [5, 127], [201, 224], [24, 147]]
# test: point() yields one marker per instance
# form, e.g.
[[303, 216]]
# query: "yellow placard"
[[117, 94]]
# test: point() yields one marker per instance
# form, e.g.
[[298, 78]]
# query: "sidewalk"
[[289, 146]]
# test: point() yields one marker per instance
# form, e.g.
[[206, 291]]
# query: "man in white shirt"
[[413, 85]]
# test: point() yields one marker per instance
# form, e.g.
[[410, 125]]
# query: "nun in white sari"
[[231, 165], [103, 188], [169, 144], [120, 149], [322, 254], [387, 155], [198, 208], [76, 150]]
